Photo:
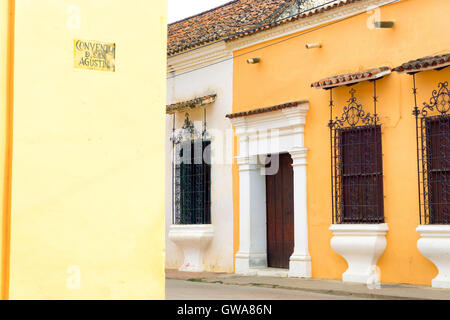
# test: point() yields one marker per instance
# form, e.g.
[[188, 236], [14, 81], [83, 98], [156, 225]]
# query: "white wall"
[[207, 80]]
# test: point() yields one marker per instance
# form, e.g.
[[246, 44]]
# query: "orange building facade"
[[356, 57]]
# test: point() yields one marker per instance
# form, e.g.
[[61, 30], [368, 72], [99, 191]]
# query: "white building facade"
[[199, 89]]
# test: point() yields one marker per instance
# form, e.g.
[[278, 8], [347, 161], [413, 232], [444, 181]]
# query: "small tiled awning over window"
[[264, 110], [424, 64], [351, 78], [190, 104]]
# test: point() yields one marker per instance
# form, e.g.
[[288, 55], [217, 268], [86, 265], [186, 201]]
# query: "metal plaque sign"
[[94, 55]]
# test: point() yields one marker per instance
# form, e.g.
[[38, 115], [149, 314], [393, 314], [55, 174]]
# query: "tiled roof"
[[276, 22], [240, 18], [221, 22], [351, 78], [423, 64], [263, 110], [193, 103]]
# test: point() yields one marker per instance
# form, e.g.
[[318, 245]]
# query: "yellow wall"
[[285, 73], [88, 146]]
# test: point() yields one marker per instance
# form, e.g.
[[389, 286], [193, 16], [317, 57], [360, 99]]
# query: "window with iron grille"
[[191, 185], [360, 167], [433, 157], [193, 181], [356, 166], [438, 162]]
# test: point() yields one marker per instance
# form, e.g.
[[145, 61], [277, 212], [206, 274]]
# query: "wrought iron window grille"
[[356, 164], [433, 155], [187, 132], [191, 172]]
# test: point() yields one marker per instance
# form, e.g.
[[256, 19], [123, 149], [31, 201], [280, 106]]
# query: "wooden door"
[[280, 214]]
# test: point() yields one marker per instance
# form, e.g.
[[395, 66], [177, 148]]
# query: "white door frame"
[[261, 134]]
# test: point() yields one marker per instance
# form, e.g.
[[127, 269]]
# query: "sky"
[[180, 9]]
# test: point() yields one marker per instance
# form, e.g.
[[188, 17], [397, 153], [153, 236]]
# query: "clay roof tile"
[[350, 78], [233, 20]]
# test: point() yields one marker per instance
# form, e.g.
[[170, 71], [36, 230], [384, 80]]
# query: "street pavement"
[[190, 285], [191, 290]]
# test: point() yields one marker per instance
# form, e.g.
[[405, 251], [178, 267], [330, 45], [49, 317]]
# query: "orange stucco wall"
[[6, 102], [285, 73]]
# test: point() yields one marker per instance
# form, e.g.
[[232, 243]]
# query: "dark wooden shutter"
[[438, 168], [195, 183], [206, 183], [186, 183], [361, 174]]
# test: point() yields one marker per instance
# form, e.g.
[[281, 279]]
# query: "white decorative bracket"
[[361, 245], [193, 240], [434, 244]]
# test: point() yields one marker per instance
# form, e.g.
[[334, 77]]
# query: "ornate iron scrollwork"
[[439, 101], [353, 115], [301, 6], [188, 132]]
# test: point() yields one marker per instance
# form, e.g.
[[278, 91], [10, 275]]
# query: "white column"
[[300, 261], [252, 216]]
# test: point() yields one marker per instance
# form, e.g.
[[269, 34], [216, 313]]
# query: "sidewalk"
[[334, 287]]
